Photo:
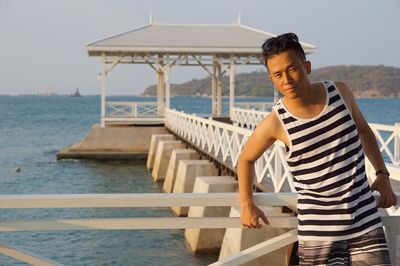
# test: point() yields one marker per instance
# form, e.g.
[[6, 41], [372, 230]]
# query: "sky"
[[42, 42]]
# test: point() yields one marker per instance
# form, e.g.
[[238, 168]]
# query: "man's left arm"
[[371, 150]]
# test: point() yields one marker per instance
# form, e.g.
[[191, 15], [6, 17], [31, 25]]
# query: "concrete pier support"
[[209, 240], [188, 170], [238, 239], [162, 158], [155, 139], [176, 156]]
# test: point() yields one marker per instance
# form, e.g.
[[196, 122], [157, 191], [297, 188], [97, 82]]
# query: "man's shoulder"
[[344, 90], [346, 94], [271, 118], [339, 85], [270, 122]]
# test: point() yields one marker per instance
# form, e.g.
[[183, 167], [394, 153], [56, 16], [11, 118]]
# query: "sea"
[[33, 129]]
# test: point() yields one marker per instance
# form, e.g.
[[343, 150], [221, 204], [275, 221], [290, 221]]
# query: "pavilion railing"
[[151, 200], [132, 109]]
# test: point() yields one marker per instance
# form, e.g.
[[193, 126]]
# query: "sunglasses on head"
[[279, 41]]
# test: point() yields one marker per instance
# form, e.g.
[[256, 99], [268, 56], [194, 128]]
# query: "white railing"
[[159, 200], [139, 200], [247, 118], [257, 106], [132, 109], [25, 256], [225, 142], [388, 136]]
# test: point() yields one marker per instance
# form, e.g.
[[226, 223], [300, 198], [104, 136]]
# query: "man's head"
[[286, 63], [281, 43]]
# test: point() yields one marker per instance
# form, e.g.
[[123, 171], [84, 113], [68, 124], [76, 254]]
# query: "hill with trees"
[[365, 82]]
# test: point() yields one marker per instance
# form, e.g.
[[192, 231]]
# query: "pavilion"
[[218, 49]]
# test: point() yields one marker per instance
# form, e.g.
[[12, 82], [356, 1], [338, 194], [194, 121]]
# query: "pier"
[[194, 156]]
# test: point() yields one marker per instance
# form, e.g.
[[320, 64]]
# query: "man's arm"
[[371, 150], [261, 139]]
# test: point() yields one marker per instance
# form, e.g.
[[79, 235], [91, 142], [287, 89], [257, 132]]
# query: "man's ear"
[[307, 65]]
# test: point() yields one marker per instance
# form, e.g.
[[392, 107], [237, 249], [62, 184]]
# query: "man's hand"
[[250, 214], [382, 184]]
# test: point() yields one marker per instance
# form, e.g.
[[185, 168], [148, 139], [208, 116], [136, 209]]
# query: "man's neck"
[[307, 103], [304, 97]]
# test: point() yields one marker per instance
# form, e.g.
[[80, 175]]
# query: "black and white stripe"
[[327, 161]]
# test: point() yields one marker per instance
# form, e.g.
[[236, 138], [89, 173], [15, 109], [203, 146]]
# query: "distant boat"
[[76, 94]]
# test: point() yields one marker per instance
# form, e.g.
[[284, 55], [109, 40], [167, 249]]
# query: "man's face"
[[288, 72]]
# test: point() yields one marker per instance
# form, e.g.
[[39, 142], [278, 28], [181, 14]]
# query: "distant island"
[[365, 81]]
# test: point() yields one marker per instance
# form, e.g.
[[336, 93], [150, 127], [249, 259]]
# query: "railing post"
[[167, 74], [278, 165], [397, 143], [103, 90], [134, 109], [231, 86]]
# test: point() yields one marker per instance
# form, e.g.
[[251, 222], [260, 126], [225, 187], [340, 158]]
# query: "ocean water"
[[33, 129]]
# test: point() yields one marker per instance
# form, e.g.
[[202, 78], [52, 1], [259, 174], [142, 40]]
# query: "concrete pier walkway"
[[129, 142]]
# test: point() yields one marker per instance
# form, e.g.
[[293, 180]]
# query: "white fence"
[[256, 106], [132, 113], [225, 142], [222, 140], [132, 109], [158, 200], [138, 201], [247, 118], [388, 136], [389, 141]]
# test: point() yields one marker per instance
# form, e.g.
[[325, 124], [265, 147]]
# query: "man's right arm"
[[261, 139]]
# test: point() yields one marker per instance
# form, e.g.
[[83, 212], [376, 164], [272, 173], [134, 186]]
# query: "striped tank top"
[[326, 160]]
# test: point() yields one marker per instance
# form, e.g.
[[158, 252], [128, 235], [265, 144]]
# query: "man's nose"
[[287, 79]]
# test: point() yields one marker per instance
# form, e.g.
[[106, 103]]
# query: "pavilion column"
[[160, 90], [213, 90], [231, 86], [219, 86], [103, 90], [167, 85]]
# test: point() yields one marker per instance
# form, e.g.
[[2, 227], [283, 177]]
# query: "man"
[[326, 137]]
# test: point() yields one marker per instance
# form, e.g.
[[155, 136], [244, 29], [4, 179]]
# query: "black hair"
[[281, 43]]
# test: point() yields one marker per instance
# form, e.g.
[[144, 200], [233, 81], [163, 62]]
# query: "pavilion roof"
[[236, 39]]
